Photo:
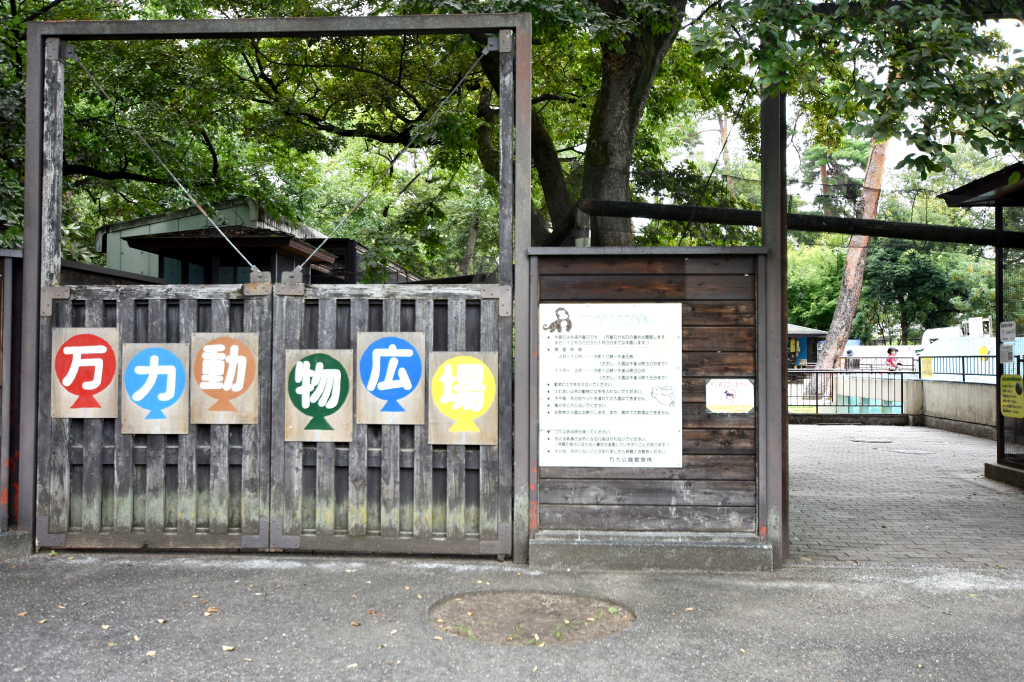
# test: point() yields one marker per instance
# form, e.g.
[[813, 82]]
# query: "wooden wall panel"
[[715, 489]]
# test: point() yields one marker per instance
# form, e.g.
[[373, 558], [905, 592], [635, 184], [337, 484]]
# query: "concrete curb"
[[1004, 474]]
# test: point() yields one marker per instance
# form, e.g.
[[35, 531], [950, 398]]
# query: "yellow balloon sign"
[[463, 389]]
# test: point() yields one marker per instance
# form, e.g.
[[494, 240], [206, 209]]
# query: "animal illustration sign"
[[154, 388], [319, 388], [462, 391], [390, 370], [224, 369], [85, 363]]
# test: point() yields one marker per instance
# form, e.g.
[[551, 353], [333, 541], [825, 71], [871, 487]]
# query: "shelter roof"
[[797, 330], [1006, 184]]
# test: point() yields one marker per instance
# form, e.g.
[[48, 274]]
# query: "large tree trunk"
[[467, 254], [856, 259], [723, 131], [626, 80]]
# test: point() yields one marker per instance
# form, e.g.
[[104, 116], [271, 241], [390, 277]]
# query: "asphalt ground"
[[289, 617]]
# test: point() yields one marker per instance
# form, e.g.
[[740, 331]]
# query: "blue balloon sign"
[[390, 369], [155, 380]]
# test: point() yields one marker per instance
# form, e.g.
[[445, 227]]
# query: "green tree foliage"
[[815, 271], [838, 189]]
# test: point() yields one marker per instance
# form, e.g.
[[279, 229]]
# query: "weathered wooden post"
[[773, 422]]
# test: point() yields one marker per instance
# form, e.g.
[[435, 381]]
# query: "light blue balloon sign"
[[390, 369], [155, 380]]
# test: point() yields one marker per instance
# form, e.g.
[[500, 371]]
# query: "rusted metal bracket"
[[278, 540], [503, 293], [291, 284], [503, 545], [259, 285], [47, 295], [43, 536], [261, 541]]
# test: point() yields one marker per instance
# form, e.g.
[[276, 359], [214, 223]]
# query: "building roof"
[[242, 237], [1006, 184], [797, 330]]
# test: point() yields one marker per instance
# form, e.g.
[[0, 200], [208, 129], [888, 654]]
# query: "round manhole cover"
[[529, 618]]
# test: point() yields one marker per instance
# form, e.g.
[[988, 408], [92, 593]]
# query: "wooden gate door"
[[388, 489], [207, 489]]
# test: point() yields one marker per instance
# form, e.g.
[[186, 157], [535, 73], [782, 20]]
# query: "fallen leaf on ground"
[[212, 609], [419, 596], [136, 638], [440, 620], [105, 627], [84, 603], [195, 596], [352, 665], [225, 647], [566, 622], [407, 587], [689, 608], [151, 653], [350, 570], [247, 659], [590, 620], [61, 607], [394, 632], [479, 582], [436, 637], [536, 637], [42, 621], [972, 595], [23, 613], [355, 623], [541, 644], [110, 644], [534, 668], [161, 620], [743, 651], [470, 613], [612, 609], [458, 599]]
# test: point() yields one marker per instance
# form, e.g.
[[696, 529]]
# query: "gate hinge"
[[259, 284], [43, 536], [278, 540], [291, 284], [503, 293], [261, 541], [505, 40], [47, 295], [503, 545]]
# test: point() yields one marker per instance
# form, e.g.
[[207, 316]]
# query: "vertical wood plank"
[[155, 471], [53, 160], [220, 321], [59, 430], [293, 310], [389, 466], [124, 468], [489, 473], [456, 453], [92, 446], [327, 325], [256, 437], [188, 316], [423, 463], [277, 449], [360, 318]]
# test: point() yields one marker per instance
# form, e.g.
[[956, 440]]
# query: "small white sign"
[[611, 384], [1006, 352], [729, 395], [1007, 332]]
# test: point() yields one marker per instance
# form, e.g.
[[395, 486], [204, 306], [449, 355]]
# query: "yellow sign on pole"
[[1011, 396]]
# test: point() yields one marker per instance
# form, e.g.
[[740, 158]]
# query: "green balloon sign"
[[318, 386]]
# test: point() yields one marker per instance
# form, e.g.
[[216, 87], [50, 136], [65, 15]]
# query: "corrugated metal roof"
[[797, 330]]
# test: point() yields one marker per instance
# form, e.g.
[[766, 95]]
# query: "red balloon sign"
[[85, 365]]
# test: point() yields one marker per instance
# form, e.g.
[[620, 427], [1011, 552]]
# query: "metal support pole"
[[772, 365], [1000, 444]]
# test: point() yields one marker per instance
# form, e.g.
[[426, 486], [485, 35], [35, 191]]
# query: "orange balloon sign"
[[224, 369]]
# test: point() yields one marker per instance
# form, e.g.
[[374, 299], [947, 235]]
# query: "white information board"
[[611, 385], [1007, 332]]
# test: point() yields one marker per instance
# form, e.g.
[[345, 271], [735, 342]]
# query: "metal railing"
[[958, 365], [825, 391]]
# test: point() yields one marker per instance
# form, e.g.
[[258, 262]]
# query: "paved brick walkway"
[[921, 497]]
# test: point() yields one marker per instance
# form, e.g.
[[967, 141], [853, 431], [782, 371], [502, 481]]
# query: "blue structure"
[[803, 345]]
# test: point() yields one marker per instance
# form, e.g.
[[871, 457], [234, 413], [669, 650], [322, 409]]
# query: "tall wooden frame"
[[44, 155]]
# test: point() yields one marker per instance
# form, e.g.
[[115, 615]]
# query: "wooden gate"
[[207, 489], [389, 489]]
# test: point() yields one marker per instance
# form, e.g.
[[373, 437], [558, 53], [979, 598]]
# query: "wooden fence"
[[242, 486]]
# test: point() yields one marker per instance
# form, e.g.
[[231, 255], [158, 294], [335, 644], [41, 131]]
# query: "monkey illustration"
[[562, 322]]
